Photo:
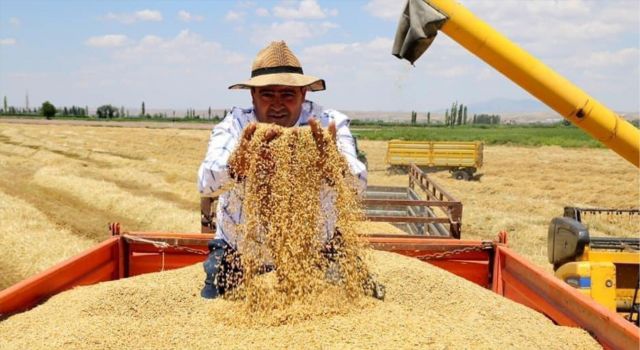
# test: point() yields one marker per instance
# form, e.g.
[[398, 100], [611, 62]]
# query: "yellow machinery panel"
[[595, 279]]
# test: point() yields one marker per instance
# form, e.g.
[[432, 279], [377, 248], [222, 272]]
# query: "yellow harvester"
[[605, 268]]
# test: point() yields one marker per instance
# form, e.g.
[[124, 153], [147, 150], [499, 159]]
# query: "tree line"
[[457, 115], [106, 111]]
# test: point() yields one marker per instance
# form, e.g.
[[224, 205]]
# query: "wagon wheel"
[[461, 175]]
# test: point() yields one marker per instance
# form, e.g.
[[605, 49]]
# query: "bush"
[[48, 110]]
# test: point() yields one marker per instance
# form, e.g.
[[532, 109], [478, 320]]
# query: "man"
[[278, 90]]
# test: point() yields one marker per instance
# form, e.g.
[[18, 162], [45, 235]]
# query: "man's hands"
[[239, 161], [316, 130]]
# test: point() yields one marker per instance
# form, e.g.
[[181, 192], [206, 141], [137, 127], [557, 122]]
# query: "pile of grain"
[[425, 307], [286, 178]]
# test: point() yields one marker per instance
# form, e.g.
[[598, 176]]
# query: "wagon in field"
[[461, 158]]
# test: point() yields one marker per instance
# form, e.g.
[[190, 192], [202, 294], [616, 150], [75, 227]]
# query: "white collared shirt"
[[213, 174]]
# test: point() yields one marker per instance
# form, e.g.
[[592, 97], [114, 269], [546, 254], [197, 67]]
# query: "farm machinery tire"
[[461, 175]]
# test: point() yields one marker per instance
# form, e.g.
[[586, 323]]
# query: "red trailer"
[[491, 265]]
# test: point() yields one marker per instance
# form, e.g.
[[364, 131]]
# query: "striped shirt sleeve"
[[213, 173]]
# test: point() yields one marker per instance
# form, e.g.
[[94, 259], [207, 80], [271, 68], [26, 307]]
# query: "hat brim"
[[287, 79]]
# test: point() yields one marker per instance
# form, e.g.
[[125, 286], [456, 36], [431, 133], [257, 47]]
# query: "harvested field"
[[77, 179], [30, 241], [165, 310]]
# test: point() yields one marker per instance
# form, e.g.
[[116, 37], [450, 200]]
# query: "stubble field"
[[60, 185]]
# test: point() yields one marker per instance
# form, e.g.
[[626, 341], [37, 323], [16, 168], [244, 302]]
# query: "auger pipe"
[[544, 83]]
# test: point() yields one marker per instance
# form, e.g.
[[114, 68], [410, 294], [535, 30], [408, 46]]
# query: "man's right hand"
[[239, 161]]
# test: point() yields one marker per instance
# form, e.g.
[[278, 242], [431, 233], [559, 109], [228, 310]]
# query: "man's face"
[[278, 104]]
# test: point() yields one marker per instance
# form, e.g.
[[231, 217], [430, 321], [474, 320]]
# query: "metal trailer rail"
[[439, 215]]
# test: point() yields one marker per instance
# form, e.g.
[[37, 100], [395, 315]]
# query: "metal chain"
[[486, 245], [164, 245]]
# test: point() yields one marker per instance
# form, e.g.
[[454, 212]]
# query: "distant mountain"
[[505, 105]]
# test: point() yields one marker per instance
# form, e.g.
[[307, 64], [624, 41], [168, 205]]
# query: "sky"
[[185, 54]]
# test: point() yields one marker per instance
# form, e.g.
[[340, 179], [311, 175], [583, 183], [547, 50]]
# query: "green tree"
[[414, 117], [446, 117], [454, 116], [106, 111], [143, 111], [48, 109], [465, 115], [428, 118], [5, 104], [460, 110], [487, 119]]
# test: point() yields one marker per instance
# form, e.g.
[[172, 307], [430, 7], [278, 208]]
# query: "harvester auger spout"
[[418, 27]]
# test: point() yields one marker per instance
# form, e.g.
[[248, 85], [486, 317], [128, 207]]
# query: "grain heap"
[[425, 307], [285, 181]]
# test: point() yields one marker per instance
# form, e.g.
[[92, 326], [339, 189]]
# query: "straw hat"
[[277, 65]]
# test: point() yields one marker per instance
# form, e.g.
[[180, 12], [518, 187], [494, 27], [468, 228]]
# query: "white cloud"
[[307, 9], [142, 15], [150, 68], [290, 31], [340, 58], [385, 9], [7, 41], [545, 24], [233, 16], [246, 4], [109, 40], [14, 21], [609, 59], [328, 25], [452, 71], [151, 40], [185, 48], [149, 15], [188, 17], [262, 12]]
